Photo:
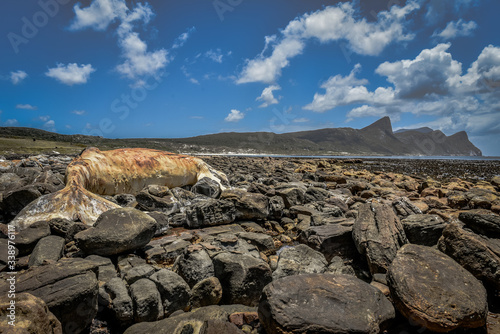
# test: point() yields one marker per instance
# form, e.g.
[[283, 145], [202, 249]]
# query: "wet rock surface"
[[179, 256]]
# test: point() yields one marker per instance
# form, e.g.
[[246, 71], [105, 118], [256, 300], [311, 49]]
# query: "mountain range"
[[375, 139]]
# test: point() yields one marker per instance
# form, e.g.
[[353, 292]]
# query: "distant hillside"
[[375, 139]]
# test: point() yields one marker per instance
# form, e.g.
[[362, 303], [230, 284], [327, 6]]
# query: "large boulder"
[[207, 292], [423, 229], [298, 260], [30, 315], [49, 248], [434, 291], [323, 303], [194, 265], [242, 277], [121, 305], [292, 194], [174, 291], [248, 205], [14, 201], [117, 231], [378, 234], [488, 225], [147, 301], [69, 287], [476, 253], [27, 239], [331, 239]]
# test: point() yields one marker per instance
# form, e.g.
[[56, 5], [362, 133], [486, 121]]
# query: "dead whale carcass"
[[120, 171]]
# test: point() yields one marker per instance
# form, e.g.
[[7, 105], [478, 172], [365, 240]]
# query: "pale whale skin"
[[121, 171]]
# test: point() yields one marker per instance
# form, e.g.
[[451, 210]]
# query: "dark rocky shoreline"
[[341, 237]]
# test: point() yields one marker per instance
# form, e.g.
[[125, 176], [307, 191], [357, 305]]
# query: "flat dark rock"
[[117, 231], [434, 291], [423, 229], [489, 225], [323, 303]]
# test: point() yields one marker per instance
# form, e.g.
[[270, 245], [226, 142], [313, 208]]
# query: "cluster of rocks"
[[294, 246]]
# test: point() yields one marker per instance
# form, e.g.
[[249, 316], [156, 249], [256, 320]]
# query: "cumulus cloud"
[[98, 15], [26, 106], [267, 96], [432, 72], [484, 74], [71, 74], [234, 116], [138, 61], [432, 83], [333, 23], [50, 125], [341, 91], [79, 112], [17, 77], [456, 29]]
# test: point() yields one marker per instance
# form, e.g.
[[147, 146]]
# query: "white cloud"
[[432, 84], [484, 73], [182, 39], [18, 76], [44, 118], [215, 55], [456, 29], [79, 112], [50, 125], [333, 23], [341, 91], [26, 106], [98, 15], [193, 80], [234, 116], [11, 122], [139, 62], [267, 96], [71, 74], [433, 71]]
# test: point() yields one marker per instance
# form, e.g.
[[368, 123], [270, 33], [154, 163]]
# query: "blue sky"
[[168, 69]]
